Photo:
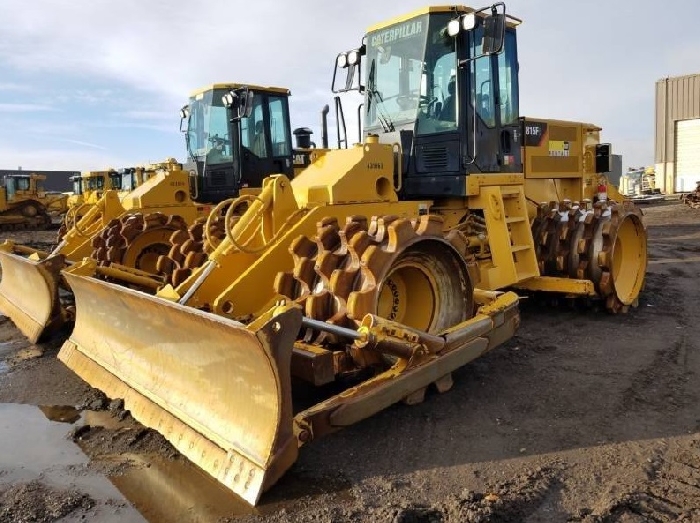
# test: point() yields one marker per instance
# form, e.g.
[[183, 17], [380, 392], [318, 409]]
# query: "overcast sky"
[[88, 84]]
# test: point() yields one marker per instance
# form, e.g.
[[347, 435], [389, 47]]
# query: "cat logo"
[[373, 166]]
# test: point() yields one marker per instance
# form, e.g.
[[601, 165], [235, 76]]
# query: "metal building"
[[55, 180], [677, 134]]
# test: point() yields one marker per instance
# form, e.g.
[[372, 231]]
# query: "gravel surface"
[[583, 416]]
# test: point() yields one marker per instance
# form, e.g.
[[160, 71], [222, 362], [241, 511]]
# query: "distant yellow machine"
[[30, 284], [380, 268], [88, 188], [24, 204]]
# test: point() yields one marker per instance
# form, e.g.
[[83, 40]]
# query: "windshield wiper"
[[189, 146], [382, 115]]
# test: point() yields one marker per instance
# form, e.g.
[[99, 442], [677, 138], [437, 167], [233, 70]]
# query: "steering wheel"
[[426, 101], [216, 139], [406, 101]]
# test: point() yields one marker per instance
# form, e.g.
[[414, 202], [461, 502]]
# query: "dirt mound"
[[99, 441], [40, 503]]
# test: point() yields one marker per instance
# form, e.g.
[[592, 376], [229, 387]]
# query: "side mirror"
[[240, 102], [603, 158], [494, 29], [247, 109], [494, 33], [184, 116]]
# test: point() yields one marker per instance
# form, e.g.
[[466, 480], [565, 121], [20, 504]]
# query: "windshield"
[[127, 181], [94, 183], [10, 186], [23, 184], [77, 185], [409, 69], [208, 128], [116, 181]]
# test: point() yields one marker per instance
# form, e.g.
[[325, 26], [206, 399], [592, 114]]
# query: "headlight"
[[353, 57], [228, 99], [342, 60], [453, 27], [468, 22]]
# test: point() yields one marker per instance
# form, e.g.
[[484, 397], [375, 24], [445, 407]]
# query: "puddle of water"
[[59, 413], [158, 488], [164, 490], [36, 448], [8, 347], [94, 418], [103, 418], [30, 353]]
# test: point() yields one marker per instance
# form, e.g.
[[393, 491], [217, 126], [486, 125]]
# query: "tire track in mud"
[[672, 492], [513, 500], [663, 384]]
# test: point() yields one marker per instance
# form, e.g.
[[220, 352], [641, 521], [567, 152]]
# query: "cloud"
[[597, 64], [12, 86], [60, 159], [84, 144], [160, 127], [149, 115], [24, 108]]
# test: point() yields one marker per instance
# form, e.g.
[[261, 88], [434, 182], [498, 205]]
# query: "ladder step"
[[518, 248], [522, 276], [510, 192], [515, 219]]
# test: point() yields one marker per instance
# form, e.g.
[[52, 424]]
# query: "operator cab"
[[115, 180], [236, 135], [17, 182], [77, 183], [127, 179], [443, 83], [94, 182]]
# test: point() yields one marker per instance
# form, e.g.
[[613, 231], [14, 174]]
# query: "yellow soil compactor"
[[88, 188], [380, 268]]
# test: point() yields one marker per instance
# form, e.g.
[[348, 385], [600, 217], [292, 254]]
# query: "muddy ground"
[[583, 416]]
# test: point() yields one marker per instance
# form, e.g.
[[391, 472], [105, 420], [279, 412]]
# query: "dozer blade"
[[29, 292], [219, 391]]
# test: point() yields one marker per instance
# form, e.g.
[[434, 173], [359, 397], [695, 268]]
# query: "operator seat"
[[448, 111], [259, 147]]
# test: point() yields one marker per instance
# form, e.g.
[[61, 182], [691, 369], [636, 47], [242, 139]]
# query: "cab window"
[[508, 80], [278, 128], [482, 78], [253, 129]]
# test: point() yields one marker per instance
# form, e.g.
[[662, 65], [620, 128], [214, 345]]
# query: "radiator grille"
[[217, 178], [434, 157]]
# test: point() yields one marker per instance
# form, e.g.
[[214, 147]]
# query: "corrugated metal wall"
[[677, 98]]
